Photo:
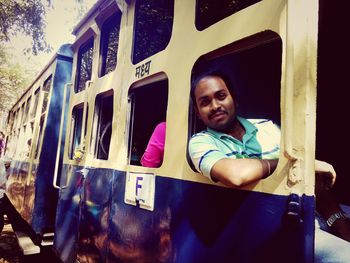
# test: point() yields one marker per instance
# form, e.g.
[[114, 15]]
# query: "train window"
[[22, 114], [35, 105], [15, 116], [152, 27], [76, 126], [27, 109], [102, 125], [46, 90], [41, 124], [148, 106], [249, 75], [10, 120], [208, 12], [109, 43], [14, 120], [84, 66], [18, 119]]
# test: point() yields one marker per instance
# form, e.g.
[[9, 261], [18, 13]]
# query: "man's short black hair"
[[214, 73]]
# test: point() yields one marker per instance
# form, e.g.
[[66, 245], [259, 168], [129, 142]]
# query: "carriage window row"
[[148, 102], [21, 121], [108, 50], [144, 118], [22, 114], [101, 127], [153, 27], [152, 32]]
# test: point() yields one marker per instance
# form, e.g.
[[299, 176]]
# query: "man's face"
[[215, 105]]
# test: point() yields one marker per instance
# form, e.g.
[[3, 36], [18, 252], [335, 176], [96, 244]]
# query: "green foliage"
[[27, 17], [13, 80]]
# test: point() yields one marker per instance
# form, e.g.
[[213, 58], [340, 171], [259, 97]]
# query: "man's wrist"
[[266, 168], [334, 217]]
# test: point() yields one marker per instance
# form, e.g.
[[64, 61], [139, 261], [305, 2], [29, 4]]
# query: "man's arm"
[[325, 173], [326, 204], [240, 172]]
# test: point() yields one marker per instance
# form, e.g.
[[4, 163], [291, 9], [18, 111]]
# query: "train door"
[[69, 180], [84, 198]]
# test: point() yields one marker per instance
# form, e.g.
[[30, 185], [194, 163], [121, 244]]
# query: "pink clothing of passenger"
[[153, 156]]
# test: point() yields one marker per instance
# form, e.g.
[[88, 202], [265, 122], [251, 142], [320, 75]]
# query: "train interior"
[[332, 82], [102, 125], [148, 108]]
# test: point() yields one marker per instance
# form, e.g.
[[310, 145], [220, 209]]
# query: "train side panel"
[[29, 187], [191, 222]]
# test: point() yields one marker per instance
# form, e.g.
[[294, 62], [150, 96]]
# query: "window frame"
[[137, 86], [73, 129], [114, 20], [238, 53], [83, 48], [135, 58], [96, 124], [215, 6]]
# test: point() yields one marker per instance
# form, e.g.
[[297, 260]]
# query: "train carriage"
[[133, 62], [32, 141], [132, 66]]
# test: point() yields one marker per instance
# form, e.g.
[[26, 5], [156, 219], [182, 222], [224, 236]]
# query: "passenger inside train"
[[153, 156], [237, 151]]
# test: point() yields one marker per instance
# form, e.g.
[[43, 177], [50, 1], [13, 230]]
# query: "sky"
[[60, 19]]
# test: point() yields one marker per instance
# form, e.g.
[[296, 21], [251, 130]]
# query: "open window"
[[46, 92], [102, 125], [152, 27], [253, 67], [14, 120], [148, 105], [76, 129], [37, 143], [109, 43], [26, 113], [35, 105], [84, 66], [22, 115], [209, 12]]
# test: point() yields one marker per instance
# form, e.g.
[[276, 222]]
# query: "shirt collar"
[[248, 126]]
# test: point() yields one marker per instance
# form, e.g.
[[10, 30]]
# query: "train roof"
[[95, 8], [64, 51]]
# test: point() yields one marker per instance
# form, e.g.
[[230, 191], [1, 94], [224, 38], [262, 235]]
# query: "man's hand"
[[325, 175]]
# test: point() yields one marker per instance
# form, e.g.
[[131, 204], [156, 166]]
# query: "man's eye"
[[204, 103], [222, 96]]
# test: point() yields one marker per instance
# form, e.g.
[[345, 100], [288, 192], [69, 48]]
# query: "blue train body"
[[189, 222], [31, 193]]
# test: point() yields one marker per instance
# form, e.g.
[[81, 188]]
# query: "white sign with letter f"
[[140, 189]]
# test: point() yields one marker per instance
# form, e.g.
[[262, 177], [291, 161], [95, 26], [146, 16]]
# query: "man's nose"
[[215, 105]]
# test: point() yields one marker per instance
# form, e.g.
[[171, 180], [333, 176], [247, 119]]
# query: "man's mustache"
[[215, 112]]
